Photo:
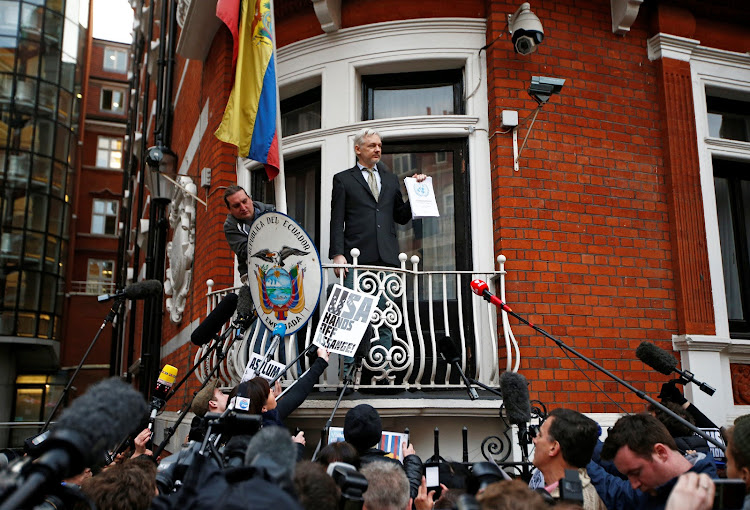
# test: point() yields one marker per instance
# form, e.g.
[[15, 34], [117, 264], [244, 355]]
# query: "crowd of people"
[[640, 465]]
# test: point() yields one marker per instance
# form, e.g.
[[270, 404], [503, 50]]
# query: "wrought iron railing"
[[420, 308]]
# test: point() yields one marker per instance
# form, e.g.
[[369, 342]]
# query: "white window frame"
[[109, 151], [95, 215], [711, 355], [411, 45], [109, 52]]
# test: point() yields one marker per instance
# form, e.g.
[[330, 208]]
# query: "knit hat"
[[741, 436], [362, 427], [200, 402]]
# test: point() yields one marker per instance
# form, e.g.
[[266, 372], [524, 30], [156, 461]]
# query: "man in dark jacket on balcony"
[[242, 212], [643, 450], [363, 430], [366, 204]]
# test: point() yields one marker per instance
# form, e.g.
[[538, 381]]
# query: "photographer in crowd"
[[565, 441], [363, 430]]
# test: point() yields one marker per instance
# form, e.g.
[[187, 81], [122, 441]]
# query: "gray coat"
[[236, 232]]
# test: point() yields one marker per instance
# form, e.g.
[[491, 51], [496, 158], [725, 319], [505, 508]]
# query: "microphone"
[[215, 320], [95, 421], [515, 392], [278, 333], [163, 385], [662, 361], [450, 355], [139, 290], [480, 288]]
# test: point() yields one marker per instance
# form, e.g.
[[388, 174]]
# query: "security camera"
[[542, 87], [526, 30]]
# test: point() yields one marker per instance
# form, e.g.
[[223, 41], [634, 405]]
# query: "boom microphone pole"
[[481, 288], [170, 431], [348, 379], [139, 290]]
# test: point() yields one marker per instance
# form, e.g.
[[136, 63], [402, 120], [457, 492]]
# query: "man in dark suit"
[[358, 218], [366, 202]]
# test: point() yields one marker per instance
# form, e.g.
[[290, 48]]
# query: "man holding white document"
[[366, 203]]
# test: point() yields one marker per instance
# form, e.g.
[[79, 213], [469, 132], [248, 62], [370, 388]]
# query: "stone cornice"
[[671, 46]]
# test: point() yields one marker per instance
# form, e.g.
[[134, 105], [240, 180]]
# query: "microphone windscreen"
[[143, 290], [515, 392], [478, 287], [215, 320], [448, 350], [107, 412], [279, 330], [658, 359], [274, 444], [244, 302]]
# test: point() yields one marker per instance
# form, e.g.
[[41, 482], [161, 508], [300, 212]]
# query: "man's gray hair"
[[387, 486], [362, 133]]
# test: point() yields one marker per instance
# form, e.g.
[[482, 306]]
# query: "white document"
[[421, 198]]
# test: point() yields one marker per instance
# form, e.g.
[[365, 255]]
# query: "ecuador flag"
[[249, 120]]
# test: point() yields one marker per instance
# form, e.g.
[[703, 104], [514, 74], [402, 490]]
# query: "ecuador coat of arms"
[[287, 271]]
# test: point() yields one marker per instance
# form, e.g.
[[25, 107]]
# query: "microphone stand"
[[170, 431], [641, 394], [348, 379], [289, 365], [233, 327], [523, 436], [114, 311]]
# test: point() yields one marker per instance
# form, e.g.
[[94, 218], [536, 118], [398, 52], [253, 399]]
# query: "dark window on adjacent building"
[[301, 113], [732, 185], [104, 217], [112, 101], [411, 94]]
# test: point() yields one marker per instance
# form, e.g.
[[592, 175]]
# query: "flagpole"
[[280, 181]]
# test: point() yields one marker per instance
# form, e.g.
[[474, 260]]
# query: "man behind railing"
[[366, 202]]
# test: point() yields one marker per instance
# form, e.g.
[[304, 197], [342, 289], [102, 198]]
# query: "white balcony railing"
[[92, 287], [445, 306]]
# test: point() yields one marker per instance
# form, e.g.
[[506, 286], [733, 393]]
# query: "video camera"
[[351, 482]]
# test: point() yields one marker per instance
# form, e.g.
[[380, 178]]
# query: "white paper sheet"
[[421, 198]]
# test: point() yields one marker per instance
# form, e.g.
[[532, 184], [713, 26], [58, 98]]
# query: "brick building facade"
[[610, 224]]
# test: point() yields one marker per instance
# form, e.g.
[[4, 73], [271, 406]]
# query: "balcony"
[[92, 287], [421, 308]]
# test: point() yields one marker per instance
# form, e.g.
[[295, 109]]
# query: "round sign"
[[285, 275]]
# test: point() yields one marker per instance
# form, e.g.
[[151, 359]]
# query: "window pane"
[[407, 103], [28, 404], [728, 118], [99, 206], [97, 225], [301, 113], [433, 239], [413, 94], [106, 99], [728, 249]]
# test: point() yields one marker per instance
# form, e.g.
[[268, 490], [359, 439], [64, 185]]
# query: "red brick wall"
[[584, 223], [208, 81]]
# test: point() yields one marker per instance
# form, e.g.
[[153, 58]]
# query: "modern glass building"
[[41, 50]]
